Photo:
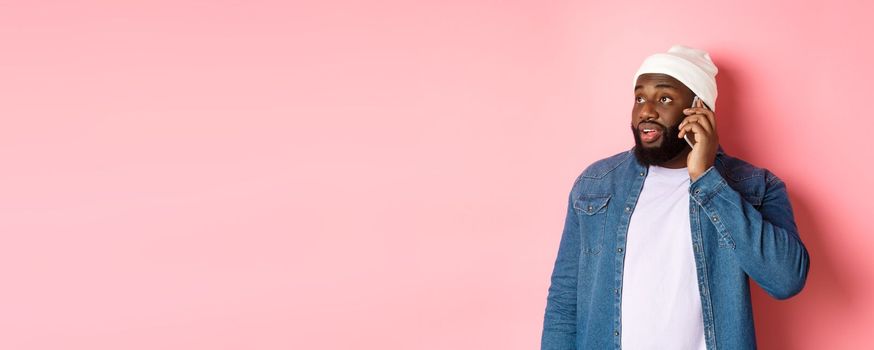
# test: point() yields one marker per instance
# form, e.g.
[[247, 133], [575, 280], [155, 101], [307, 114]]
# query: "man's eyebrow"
[[660, 85]]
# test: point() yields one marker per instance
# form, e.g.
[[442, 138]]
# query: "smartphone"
[[686, 136]]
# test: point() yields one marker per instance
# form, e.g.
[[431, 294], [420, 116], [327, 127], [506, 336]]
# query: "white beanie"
[[690, 66]]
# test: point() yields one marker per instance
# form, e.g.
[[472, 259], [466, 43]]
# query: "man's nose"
[[646, 112]]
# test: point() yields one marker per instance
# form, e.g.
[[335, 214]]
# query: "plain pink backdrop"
[[385, 174]]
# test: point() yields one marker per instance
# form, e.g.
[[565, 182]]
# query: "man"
[[660, 241]]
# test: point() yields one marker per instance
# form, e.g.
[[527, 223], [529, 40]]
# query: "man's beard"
[[670, 146]]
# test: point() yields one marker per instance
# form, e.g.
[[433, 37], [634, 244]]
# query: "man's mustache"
[[651, 122]]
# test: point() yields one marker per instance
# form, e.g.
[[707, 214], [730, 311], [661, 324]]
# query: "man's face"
[[659, 100]]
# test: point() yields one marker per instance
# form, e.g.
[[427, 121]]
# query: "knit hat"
[[690, 66]]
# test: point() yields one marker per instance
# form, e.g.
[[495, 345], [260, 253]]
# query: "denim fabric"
[[742, 228]]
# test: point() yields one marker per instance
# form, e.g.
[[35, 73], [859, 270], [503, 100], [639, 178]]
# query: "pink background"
[[385, 174]]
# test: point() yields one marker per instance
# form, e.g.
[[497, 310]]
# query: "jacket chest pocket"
[[591, 209]]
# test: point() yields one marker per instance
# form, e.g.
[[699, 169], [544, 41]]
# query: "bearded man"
[[660, 242]]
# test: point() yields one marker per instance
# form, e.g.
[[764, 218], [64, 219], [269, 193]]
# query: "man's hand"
[[701, 122]]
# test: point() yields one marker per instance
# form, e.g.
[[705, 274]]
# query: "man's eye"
[[665, 98], [638, 99]]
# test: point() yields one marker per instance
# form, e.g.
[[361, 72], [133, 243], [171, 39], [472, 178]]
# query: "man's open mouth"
[[649, 132]]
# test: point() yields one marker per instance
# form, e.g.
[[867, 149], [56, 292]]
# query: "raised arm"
[[766, 240]]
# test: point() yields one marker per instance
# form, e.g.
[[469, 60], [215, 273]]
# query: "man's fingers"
[[695, 128], [705, 123], [701, 110]]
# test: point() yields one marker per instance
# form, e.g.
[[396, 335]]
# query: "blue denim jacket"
[[742, 226]]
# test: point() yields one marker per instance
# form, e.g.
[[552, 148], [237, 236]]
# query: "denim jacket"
[[742, 226]]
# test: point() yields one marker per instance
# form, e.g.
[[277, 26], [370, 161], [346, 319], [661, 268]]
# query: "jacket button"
[[715, 218], [697, 191], [619, 250], [589, 208], [641, 173], [616, 333], [627, 208]]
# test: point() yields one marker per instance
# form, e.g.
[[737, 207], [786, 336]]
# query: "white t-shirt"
[[661, 308]]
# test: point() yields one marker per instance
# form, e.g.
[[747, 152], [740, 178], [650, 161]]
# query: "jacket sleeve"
[[560, 320], [765, 241]]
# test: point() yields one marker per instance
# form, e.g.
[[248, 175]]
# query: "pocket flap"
[[591, 203]]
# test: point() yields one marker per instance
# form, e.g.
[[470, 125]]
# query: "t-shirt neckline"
[[679, 172]]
